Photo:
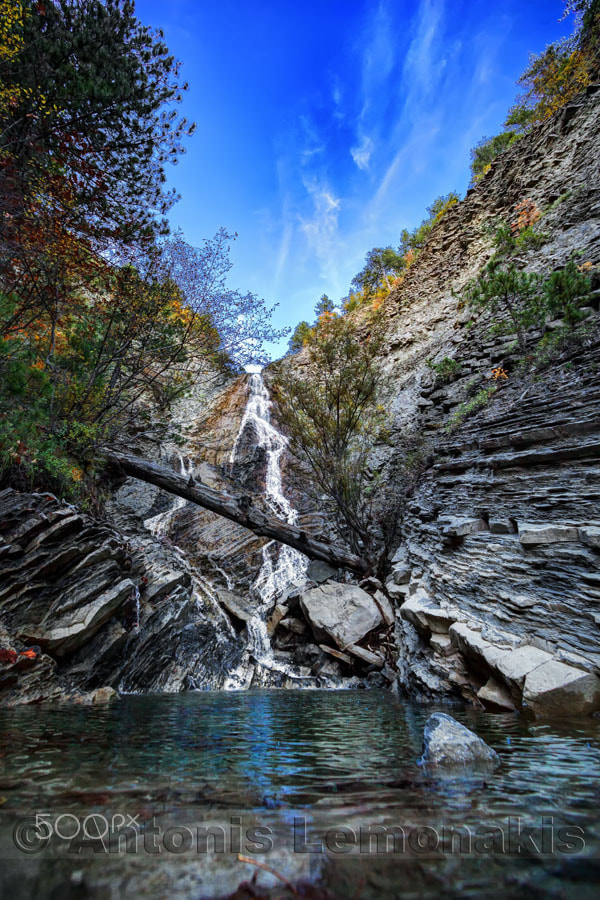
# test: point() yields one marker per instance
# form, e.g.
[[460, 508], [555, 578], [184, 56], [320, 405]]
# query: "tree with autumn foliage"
[[331, 410], [100, 310], [552, 79]]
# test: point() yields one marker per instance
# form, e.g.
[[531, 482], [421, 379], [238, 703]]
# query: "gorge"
[[205, 651]]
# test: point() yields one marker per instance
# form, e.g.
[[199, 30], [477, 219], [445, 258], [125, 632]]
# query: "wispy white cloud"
[[320, 228], [361, 154], [283, 252], [422, 62]]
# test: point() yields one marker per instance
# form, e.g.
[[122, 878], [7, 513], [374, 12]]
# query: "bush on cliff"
[[331, 411]]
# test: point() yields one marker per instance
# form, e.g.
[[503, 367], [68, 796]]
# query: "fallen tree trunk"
[[238, 509]]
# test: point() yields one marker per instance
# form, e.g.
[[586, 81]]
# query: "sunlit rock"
[[343, 613]]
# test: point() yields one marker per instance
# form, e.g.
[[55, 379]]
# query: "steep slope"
[[502, 533]]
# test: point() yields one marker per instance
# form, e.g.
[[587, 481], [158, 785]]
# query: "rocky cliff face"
[[500, 603], [495, 589], [84, 607]]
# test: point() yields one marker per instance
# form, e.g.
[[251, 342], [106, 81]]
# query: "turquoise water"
[[301, 781]]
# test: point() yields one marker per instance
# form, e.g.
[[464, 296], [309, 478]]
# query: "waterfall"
[[159, 524], [281, 565], [136, 597]]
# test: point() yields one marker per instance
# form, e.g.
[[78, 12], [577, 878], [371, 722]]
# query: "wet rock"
[[294, 625], [556, 690], [75, 590], [276, 616], [343, 613], [163, 582], [235, 606], [448, 744], [104, 695]]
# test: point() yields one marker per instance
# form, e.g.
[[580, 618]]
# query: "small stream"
[[302, 768]]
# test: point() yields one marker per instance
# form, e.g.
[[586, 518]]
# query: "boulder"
[[367, 656], [343, 613], [320, 571], [397, 591], [533, 534], [448, 744], [425, 615], [385, 607], [337, 654], [104, 695], [555, 689], [442, 644], [496, 695], [401, 574], [235, 606], [294, 625], [515, 665], [275, 618]]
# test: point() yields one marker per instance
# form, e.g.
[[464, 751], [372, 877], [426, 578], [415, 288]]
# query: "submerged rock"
[[449, 744]]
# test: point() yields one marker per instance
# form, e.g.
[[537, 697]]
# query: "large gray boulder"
[[448, 744], [343, 613], [555, 690]]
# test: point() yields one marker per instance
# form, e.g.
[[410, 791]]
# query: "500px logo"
[[34, 833], [96, 833]]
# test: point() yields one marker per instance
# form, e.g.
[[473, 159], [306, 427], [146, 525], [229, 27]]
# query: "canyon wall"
[[495, 587], [502, 535]]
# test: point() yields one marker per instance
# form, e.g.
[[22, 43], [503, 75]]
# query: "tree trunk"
[[238, 509]]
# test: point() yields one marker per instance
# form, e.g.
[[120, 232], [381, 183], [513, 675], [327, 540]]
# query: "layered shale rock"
[[82, 607], [498, 578]]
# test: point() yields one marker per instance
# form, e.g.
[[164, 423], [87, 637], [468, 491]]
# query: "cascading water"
[[136, 597], [281, 565], [159, 524]]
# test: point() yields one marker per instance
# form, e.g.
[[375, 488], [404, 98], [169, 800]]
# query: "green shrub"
[[446, 369], [565, 291], [467, 409]]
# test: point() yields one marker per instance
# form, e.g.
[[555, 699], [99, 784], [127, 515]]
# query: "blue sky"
[[325, 127]]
